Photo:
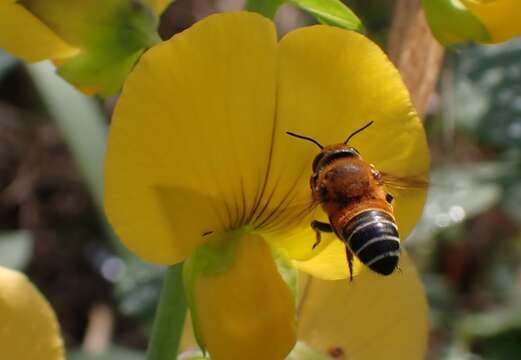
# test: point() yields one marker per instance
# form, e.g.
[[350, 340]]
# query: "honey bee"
[[352, 193]]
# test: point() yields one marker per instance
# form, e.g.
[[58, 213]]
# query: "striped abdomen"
[[372, 236]]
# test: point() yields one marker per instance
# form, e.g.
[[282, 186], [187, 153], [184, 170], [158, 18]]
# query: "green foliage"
[[452, 23], [111, 36], [170, 317], [493, 74], [267, 8], [331, 12]]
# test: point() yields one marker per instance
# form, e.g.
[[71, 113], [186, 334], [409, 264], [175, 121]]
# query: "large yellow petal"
[[24, 36], [330, 83], [190, 140], [28, 326], [246, 312], [501, 17], [374, 317], [330, 263]]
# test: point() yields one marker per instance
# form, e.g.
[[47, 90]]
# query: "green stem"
[[267, 8], [170, 317], [84, 129]]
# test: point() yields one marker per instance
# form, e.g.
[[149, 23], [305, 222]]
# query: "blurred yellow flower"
[[199, 166], [94, 43], [483, 21], [387, 326], [28, 326]]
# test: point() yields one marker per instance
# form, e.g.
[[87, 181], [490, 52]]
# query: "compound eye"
[[316, 161], [313, 181]]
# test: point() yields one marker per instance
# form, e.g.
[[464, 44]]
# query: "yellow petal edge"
[[28, 326], [501, 17], [373, 318], [26, 37]]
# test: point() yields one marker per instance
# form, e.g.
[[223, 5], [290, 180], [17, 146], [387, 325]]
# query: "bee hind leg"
[[319, 228], [349, 262]]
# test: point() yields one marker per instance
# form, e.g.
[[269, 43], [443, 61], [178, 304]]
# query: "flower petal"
[[37, 42], [190, 140], [501, 17], [331, 82], [390, 314], [243, 309], [330, 263], [28, 328]]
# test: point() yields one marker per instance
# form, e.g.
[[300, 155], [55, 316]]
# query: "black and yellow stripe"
[[372, 236]]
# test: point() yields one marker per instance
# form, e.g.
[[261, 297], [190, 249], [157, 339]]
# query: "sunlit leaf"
[[331, 12], [267, 8]]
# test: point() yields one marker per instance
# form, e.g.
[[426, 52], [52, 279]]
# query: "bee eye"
[[316, 161], [313, 181]]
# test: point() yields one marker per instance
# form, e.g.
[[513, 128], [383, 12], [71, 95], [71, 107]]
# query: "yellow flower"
[[483, 21], [387, 326], [28, 326], [198, 144], [94, 43]]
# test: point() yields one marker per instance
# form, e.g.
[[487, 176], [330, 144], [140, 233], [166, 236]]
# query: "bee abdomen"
[[373, 237]]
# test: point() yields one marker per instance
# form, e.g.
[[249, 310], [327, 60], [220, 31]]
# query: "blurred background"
[[467, 246]]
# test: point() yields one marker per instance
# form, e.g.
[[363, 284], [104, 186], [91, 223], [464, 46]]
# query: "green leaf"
[[170, 317], [451, 22], [15, 249], [267, 8], [110, 34], [331, 12]]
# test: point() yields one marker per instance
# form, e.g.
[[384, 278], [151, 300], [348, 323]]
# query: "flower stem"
[[170, 317]]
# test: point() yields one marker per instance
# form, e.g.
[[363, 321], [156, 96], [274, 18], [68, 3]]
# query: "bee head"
[[331, 153]]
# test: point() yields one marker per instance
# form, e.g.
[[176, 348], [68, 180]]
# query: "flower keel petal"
[[243, 309], [375, 317]]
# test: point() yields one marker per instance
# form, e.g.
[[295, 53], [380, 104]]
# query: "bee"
[[352, 193]]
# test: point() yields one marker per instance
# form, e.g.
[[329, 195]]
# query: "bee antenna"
[[305, 138], [358, 131]]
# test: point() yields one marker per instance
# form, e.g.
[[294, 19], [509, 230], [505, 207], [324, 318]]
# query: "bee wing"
[[405, 182]]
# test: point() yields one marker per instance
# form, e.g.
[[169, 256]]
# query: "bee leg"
[[389, 198], [206, 233], [319, 228], [349, 262]]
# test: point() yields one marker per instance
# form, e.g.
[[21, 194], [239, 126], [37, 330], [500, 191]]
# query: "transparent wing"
[[405, 182]]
